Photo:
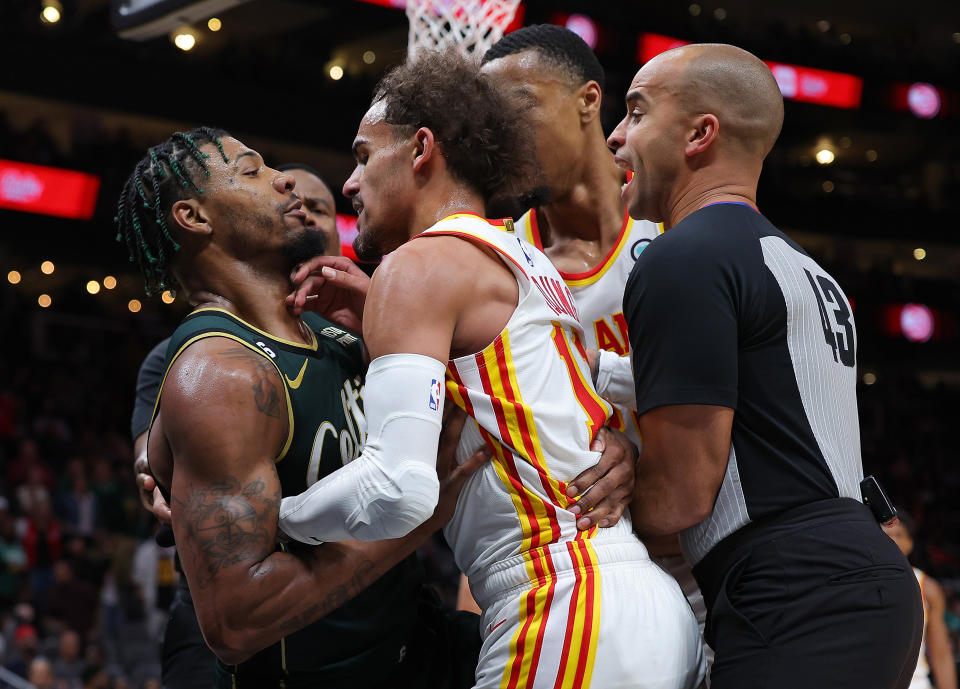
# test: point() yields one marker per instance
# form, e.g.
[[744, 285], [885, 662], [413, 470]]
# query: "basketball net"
[[470, 26]]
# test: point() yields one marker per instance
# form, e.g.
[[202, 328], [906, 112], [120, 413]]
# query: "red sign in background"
[[805, 84], [48, 190]]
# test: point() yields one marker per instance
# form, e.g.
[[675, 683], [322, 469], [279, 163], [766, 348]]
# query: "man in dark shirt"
[[744, 365]]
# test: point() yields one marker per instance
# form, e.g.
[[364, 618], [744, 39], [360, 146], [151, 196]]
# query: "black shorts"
[[441, 653], [832, 604], [186, 662]]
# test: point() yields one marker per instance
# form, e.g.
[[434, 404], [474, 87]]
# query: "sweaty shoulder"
[[217, 375], [219, 399]]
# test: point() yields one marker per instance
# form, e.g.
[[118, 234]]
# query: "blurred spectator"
[[110, 498], [13, 560], [28, 457], [42, 544], [68, 666], [154, 572], [24, 649], [33, 491], [73, 603], [78, 506], [95, 677], [40, 674]]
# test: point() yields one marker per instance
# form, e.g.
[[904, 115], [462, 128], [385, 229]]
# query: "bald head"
[[734, 85]]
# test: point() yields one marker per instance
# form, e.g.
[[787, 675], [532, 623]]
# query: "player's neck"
[[255, 298], [444, 200], [591, 210]]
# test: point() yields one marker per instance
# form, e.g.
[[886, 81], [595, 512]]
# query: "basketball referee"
[[744, 365]]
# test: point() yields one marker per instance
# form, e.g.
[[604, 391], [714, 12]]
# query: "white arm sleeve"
[[392, 487], [615, 379]]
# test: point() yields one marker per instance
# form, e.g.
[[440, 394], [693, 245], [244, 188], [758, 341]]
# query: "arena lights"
[[14, 277], [956, 37], [214, 24], [585, 28], [923, 100], [336, 72], [719, 14], [694, 10], [185, 38], [93, 287], [828, 187], [369, 57], [44, 300], [168, 297], [871, 155], [825, 156], [869, 378], [134, 305], [919, 253], [52, 12], [917, 322], [823, 26], [47, 267], [109, 282]]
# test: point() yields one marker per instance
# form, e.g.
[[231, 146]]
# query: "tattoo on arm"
[[227, 524], [269, 399], [361, 579]]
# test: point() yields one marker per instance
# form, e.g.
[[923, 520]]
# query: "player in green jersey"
[[255, 405]]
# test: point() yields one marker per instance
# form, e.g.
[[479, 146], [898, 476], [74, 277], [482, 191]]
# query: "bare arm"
[[223, 419], [938, 638], [413, 314], [681, 466]]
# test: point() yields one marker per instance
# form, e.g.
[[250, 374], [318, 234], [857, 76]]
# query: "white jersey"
[[531, 395], [561, 607], [599, 295]]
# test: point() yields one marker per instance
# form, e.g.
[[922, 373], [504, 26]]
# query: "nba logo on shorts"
[[434, 394]]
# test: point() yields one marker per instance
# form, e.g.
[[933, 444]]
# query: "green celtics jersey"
[[365, 641]]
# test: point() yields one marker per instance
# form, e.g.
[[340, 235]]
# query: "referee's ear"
[[706, 129]]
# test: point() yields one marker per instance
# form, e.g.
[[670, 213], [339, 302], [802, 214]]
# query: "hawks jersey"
[[531, 395], [323, 388], [599, 295]]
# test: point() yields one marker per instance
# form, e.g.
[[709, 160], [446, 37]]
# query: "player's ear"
[[706, 128], [590, 100], [191, 217], [424, 149]]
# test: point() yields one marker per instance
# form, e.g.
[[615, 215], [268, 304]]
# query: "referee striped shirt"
[[724, 309]]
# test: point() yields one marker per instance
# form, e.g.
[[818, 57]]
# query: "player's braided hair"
[[168, 173], [482, 139], [559, 46]]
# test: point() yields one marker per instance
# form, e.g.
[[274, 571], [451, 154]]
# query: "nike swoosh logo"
[[295, 383], [497, 625]]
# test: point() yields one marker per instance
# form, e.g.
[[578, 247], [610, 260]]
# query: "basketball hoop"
[[471, 26]]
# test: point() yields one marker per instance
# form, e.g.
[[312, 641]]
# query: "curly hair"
[[168, 173], [560, 47], [483, 140]]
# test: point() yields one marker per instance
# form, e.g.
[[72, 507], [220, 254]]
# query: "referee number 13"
[[830, 299]]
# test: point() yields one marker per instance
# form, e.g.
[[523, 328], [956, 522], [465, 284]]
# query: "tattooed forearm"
[[364, 575], [267, 394], [227, 524]]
